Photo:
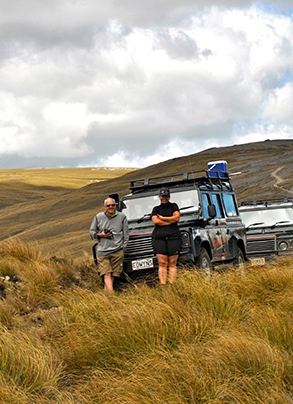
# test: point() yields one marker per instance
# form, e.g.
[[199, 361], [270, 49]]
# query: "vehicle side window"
[[216, 201], [230, 205], [205, 204]]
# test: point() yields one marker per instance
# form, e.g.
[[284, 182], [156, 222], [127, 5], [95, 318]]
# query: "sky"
[[128, 83]]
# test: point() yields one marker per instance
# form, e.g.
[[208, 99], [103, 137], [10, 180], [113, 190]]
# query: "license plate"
[[258, 261], [142, 264]]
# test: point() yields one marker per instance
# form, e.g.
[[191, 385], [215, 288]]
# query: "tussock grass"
[[28, 369], [8, 268], [24, 252], [223, 339], [265, 286], [40, 283], [7, 314]]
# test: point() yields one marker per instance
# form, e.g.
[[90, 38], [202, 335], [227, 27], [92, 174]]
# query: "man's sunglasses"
[[108, 206]]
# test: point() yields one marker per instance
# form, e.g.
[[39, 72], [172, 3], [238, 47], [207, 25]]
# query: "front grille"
[[267, 245], [139, 247]]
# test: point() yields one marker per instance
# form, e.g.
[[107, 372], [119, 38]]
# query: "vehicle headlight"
[[283, 246], [185, 239]]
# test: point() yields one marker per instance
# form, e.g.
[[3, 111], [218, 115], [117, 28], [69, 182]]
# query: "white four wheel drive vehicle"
[[269, 228]]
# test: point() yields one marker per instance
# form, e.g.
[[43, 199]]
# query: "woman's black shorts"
[[166, 246]]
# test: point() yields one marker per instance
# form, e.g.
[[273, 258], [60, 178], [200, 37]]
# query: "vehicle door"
[[216, 227], [233, 221]]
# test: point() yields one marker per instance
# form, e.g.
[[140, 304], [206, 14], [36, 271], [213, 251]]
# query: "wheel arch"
[[202, 243], [238, 242]]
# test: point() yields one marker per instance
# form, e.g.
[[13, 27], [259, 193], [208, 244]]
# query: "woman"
[[166, 236]]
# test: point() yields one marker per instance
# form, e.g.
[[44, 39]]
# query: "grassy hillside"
[[61, 178], [55, 214], [33, 184], [60, 220], [219, 340]]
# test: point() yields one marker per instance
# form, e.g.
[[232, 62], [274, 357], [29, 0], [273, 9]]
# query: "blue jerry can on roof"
[[218, 166]]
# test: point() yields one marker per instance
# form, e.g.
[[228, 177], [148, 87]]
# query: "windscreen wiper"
[[254, 224], [144, 218], [186, 207], [281, 222]]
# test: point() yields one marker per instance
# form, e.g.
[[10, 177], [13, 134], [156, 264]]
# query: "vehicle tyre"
[[204, 262], [239, 259]]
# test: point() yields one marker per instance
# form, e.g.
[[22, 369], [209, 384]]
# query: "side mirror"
[[116, 199], [212, 211]]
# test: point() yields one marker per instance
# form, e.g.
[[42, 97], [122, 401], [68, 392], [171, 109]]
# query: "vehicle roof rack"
[[266, 202], [207, 178]]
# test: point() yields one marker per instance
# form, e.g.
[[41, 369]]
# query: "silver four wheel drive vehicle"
[[269, 228], [211, 228]]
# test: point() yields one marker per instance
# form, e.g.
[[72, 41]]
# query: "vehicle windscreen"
[[267, 217], [136, 208]]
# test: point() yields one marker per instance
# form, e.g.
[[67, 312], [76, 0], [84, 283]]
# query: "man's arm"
[[125, 230], [94, 228]]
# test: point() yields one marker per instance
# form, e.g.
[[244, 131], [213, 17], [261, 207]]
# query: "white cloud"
[[140, 82], [263, 131], [279, 104]]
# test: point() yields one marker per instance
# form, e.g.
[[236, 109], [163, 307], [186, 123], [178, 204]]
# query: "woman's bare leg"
[[163, 265], [172, 261]]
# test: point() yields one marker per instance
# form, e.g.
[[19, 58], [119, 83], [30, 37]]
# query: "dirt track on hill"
[[279, 180]]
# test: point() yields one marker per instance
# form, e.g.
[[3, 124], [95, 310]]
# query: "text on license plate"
[[142, 264], [258, 261]]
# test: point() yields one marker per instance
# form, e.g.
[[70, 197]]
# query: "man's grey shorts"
[[111, 263]]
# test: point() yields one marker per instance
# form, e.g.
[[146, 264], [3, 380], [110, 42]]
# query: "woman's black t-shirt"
[[170, 230]]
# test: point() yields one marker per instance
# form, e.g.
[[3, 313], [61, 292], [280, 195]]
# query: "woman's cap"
[[164, 192]]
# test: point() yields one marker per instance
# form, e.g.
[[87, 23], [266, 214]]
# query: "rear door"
[[216, 227], [233, 221]]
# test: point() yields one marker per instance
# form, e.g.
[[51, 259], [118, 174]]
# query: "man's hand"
[[105, 235]]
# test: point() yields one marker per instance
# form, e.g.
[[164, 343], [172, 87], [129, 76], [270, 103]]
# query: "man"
[[110, 228]]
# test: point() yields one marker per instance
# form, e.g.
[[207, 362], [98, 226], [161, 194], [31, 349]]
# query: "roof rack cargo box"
[[218, 168]]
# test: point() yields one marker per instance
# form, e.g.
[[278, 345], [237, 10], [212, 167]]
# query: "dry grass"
[[226, 339], [23, 252], [29, 364], [69, 178]]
